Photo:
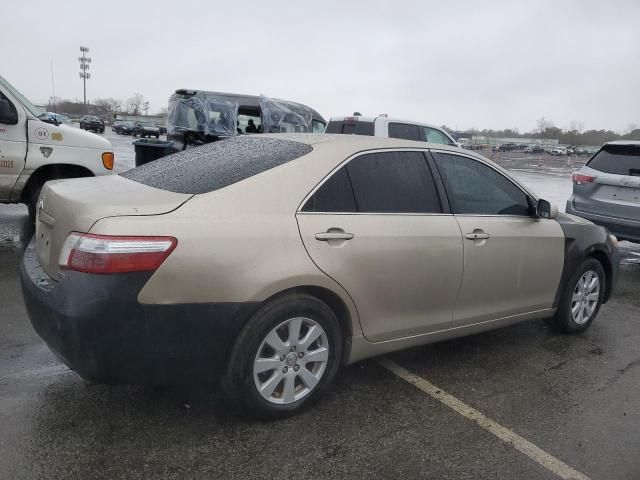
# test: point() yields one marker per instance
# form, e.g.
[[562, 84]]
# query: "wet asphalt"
[[575, 397]]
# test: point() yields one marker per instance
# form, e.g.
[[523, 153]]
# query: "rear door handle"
[[326, 236], [477, 236]]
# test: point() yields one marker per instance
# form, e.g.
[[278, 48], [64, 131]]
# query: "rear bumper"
[[624, 229], [96, 326]]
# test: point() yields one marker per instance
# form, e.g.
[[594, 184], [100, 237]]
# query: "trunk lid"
[[76, 204]]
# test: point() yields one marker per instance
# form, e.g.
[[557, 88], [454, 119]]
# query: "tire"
[[32, 200], [286, 365], [565, 321], [157, 135]]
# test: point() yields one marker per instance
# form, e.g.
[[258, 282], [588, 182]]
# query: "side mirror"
[[7, 116], [546, 209]]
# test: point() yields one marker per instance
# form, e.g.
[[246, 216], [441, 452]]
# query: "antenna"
[[53, 89]]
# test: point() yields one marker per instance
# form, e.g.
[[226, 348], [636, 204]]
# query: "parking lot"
[[519, 402]]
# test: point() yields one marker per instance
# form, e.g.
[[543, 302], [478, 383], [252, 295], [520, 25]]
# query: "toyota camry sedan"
[[263, 263]]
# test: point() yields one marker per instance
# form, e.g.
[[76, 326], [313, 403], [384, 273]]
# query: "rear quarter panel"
[[237, 244]]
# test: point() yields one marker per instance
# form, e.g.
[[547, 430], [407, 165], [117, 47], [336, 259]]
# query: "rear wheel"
[[581, 300], [288, 352]]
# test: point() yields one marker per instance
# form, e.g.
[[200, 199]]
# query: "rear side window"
[[617, 159], [217, 165], [350, 127], [404, 131], [475, 188], [398, 182], [335, 195]]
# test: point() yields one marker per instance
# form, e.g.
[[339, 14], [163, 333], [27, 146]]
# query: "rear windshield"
[[617, 159], [350, 128], [216, 165]]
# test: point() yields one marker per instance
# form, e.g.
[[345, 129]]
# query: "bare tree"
[[145, 107], [543, 124], [134, 104], [575, 126]]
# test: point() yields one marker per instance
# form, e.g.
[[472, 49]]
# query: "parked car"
[[507, 147], [534, 149], [34, 151], [91, 122], [146, 129], [123, 127], [606, 190], [270, 260], [558, 151], [162, 127], [383, 126], [196, 117]]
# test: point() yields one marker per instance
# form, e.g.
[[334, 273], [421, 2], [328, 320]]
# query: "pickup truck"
[[36, 148]]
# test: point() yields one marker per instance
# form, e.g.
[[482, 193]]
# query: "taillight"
[[90, 253], [107, 160], [580, 178]]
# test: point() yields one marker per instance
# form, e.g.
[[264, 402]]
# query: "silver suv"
[[607, 189]]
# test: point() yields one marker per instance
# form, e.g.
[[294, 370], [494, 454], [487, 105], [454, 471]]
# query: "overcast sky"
[[479, 64]]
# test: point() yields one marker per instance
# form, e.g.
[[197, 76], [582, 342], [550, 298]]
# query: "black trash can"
[[149, 149]]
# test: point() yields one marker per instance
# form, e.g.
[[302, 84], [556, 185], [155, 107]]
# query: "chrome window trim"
[[347, 160]]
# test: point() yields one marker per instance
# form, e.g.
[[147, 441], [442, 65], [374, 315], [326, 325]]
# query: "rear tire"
[[580, 302], [296, 370]]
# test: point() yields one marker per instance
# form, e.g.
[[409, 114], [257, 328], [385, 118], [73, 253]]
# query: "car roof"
[[364, 142], [623, 142], [384, 118]]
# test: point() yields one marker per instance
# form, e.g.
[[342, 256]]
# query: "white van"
[[33, 151], [383, 126]]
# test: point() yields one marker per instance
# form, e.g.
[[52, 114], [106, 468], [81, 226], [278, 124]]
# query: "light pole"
[[84, 72]]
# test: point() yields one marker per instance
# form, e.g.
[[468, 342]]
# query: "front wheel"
[[288, 352], [581, 300]]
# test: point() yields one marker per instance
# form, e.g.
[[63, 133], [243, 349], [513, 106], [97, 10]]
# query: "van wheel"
[[286, 354], [581, 300], [32, 200]]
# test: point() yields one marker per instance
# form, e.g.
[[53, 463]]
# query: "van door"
[[13, 147]]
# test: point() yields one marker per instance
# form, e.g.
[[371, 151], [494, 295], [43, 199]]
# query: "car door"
[[13, 148], [376, 225], [512, 259]]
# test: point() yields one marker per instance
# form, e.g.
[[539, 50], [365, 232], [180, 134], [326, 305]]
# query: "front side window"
[[433, 135], [475, 188], [404, 131]]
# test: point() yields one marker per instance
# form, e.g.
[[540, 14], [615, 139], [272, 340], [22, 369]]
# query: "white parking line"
[[536, 454]]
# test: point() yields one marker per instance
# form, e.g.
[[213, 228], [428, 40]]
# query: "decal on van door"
[[46, 151], [41, 133]]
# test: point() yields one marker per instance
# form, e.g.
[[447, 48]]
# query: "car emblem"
[[46, 151]]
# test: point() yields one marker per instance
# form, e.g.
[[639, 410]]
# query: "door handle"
[[477, 236], [326, 236]]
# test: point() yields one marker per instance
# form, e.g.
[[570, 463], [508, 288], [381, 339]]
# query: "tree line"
[[136, 104], [572, 134]]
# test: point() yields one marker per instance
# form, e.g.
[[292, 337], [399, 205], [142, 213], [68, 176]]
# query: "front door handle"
[[327, 236], [477, 236]]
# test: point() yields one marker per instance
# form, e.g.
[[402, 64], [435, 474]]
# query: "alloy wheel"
[[291, 360], [585, 297]]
